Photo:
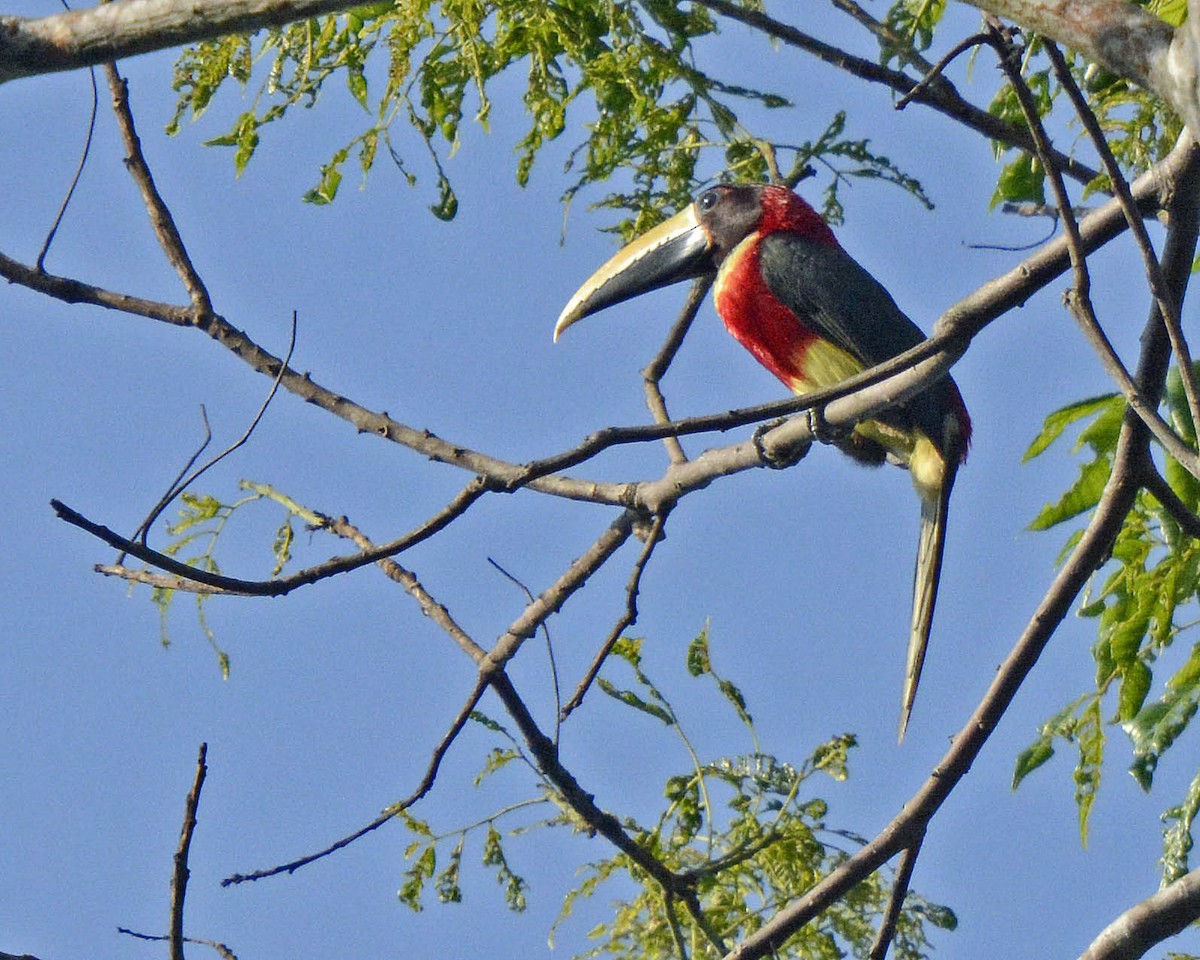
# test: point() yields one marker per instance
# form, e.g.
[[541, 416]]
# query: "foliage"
[[747, 830], [1142, 601], [203, 518], [630, 70]]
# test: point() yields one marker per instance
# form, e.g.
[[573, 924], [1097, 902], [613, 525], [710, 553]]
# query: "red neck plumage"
[[784, 210]]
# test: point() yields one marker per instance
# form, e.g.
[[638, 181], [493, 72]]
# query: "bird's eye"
[[708, 199]]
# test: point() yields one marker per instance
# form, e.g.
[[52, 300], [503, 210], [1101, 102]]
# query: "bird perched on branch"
[[811, 315]]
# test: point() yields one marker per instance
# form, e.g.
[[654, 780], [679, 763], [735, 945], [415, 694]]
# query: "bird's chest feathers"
[[761, 323]]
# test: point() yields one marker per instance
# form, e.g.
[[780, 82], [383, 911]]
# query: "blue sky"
[[339, 692]]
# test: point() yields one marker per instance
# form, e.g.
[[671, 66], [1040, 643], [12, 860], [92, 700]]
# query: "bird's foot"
[[823, 431], [777, 457]]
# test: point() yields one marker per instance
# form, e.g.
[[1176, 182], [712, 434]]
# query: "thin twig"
[[223, 951], [935, 72], [179, 876], [202, 581], [426, 784], [891, 915], [657, 368], [1154, 274], [558, 714], [184, 480], [83, 157], [160, 217], [627, 619]]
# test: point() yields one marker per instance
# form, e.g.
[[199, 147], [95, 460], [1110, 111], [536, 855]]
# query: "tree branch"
[[1089, 553], [940, 96], [1150, 922], [1119, 35], [179, 876], [124, 28]]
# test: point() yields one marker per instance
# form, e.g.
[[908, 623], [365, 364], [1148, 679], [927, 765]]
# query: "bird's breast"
[[777, 338]]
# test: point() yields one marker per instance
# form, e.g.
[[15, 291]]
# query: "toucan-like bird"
[[811, 315]]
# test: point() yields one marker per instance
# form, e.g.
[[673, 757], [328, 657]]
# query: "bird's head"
[[692, 243]]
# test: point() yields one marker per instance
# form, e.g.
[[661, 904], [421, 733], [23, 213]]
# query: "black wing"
[[836, 298]]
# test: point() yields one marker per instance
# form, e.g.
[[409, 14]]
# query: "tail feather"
[[927, 572]]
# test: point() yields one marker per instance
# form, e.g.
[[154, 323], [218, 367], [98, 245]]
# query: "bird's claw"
[[821, 429], [774, 458]]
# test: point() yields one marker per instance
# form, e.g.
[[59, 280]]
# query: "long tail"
[[935, 504]]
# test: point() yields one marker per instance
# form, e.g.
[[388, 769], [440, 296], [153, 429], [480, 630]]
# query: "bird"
[[807, 311]]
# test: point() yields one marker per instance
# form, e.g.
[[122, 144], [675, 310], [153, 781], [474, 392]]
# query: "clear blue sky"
[[339, 692]]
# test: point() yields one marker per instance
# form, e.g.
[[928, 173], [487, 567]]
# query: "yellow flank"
[[827, 365]]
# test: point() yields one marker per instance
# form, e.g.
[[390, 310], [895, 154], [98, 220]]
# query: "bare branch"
[[627, 619], [124, 28], [426, 784], [657, 368], [83, 157], [179, 876], [1150, 922], [222, 951], [160, 217], [182, 482], [940, 96], [887, 925]]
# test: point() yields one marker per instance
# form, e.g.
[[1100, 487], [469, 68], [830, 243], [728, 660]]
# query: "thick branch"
[[110, 31], [1150, 922], [1119, 35]]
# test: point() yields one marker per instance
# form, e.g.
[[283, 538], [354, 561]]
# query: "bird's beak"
[[675, 250]]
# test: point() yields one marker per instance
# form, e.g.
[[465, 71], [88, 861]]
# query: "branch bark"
[[1119, 35], [1150, 922], [124, 28]]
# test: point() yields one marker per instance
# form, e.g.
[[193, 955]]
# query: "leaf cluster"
[[1142, 601], [751, 836], [747, 832], [203, 518], [630, 69]]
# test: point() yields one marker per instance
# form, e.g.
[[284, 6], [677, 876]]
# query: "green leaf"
[[698, 661], [1022, 180], [631, 699], [281, 548], [1058, 421], [1157, 725], [481, 718], [1135, 685], [1080, 497], [1090, 733], [497, 759], [1177, 834], [415, 876], [1032, 757], [447, 882]]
